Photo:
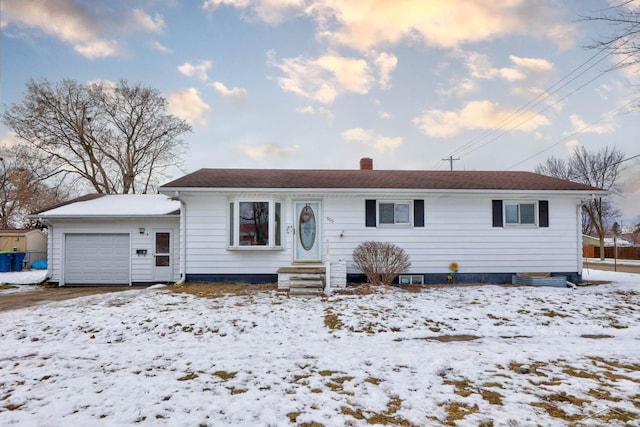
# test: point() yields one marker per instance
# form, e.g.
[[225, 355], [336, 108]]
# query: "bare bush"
[[381, 262]]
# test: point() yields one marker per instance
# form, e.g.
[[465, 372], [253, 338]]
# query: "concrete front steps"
[[302, 281]]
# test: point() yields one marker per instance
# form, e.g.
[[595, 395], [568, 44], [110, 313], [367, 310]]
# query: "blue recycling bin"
[[16, 261], [5, 262]]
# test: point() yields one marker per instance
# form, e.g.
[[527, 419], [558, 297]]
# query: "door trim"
[[317, 240], [162, 273]]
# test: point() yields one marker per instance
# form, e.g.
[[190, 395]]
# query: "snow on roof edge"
[[116, 205]]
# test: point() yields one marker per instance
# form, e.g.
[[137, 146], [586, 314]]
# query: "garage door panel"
[[96, 259]]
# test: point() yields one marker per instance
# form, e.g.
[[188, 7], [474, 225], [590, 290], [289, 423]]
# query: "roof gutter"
[[116, 217], [394, 191]]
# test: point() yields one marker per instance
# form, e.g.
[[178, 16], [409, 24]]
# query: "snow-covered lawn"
[[543, 356]]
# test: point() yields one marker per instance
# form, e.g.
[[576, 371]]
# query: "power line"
[[627, 159], [572, 134], [534, 102], [546, 108], [541, 111], [537, 101]]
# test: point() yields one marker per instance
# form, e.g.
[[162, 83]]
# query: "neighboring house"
[[248, 224], [113, 240], [616, 241], [590, 240], [32, 242]]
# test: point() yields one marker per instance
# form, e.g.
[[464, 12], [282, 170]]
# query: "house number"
[[307, 227]]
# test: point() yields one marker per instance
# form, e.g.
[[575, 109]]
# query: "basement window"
[[413, 279]]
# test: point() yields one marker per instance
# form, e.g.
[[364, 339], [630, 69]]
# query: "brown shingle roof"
[[372, 179]]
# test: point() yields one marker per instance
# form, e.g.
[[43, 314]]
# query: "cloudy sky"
[[497, 84]]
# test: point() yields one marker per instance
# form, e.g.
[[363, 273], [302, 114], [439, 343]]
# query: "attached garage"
[[115, 239], [97, 259]]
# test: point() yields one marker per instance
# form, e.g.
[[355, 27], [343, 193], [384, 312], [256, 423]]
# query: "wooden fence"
[[624, 252]]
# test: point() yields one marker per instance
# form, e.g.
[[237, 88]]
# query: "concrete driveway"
[[14, 300]]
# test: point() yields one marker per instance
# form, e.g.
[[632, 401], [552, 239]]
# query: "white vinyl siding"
[[141, 266], [208, 237], [457, 228]]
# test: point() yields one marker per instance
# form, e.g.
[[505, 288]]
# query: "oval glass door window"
[[307, 227]]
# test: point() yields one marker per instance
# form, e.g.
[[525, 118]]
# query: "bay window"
[[255, 224]]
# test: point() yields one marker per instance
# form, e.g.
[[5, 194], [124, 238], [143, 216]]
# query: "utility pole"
[[450, 159]]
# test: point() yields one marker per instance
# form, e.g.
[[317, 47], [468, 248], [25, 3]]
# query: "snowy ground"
[[26, 277], [544, 356], [611, 261]]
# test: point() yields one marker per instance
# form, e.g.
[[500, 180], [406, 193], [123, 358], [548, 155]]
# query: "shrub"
[[381, 262]]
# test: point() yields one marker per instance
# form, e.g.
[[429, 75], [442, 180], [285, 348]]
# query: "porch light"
[[141, 230]]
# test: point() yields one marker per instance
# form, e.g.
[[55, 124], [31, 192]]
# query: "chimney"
[[366, 163]]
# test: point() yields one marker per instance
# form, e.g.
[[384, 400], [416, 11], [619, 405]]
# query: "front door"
[[162, 256], [308, 247]]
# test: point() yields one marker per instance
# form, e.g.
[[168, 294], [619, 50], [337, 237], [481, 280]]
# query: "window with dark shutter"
[[370, 213], [418, 213], [543, 213], [497, 213]]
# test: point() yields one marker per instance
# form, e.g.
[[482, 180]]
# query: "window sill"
[[254, 248]]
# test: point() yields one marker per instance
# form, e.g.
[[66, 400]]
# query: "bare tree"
[[116, 138], [21, 193], [599, 169], [624, 20], [635, 232]]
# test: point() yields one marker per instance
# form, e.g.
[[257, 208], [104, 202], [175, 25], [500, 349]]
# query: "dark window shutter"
[[543, 213], [418, 213], [370, 213], [497, 213]]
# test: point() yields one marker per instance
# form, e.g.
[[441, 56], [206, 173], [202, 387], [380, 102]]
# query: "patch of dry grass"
[[457, 411], [215, 290], [224, 375], [331, 320], [189, 376]]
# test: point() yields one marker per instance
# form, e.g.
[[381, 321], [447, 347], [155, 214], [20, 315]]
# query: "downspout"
[[579, 233], [49, 251], [183, 242]]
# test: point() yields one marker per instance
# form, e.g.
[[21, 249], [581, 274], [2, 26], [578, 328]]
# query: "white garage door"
[[96, 259]]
